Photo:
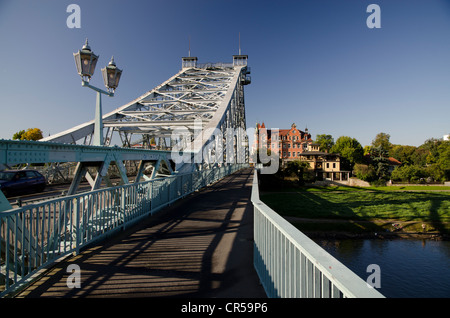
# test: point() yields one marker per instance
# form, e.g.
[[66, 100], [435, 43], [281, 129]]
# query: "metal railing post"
[[77, 226]]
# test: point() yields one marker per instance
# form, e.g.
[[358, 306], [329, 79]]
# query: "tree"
[[367, 150], [299, 168], [432, 150], [33, 134], [419, 157], [29, 134], [18, 135], [350, 150], [325, 142], [364, 172], [435, 172], [409, 173], [380, 162], [444, 159], [404, 154], [382, 140]]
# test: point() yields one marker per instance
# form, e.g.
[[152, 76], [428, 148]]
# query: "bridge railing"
[[35, 236], [291, 265]]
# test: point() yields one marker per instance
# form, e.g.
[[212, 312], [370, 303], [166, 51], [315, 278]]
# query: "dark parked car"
[[16, 182]]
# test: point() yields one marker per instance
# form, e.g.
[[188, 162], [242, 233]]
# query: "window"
[[31, 174], [334, 165], [21, 175], [328, 165]]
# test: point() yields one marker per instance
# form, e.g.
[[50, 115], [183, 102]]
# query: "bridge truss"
[[192, 121], [185, 112]]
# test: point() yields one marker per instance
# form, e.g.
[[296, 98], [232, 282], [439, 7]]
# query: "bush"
[[409, 173], [364, 172]]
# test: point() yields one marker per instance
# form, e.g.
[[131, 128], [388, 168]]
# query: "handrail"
[[35, 236], [289, 264]]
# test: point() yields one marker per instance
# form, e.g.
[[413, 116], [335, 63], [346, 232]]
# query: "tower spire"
[[239, 43]]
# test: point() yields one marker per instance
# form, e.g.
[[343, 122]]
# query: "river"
[[408, 268]]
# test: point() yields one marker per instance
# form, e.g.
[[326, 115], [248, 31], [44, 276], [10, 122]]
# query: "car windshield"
[[6, 176]]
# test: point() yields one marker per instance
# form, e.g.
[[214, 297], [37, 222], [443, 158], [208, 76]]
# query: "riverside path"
[[201, 246]]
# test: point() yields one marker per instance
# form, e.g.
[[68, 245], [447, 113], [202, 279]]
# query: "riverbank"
[[374, 229], [402, 212]]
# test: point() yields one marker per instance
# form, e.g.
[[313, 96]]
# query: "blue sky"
[[313, 62]]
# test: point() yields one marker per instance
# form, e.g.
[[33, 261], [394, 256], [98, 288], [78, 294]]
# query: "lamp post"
[[85, 61]]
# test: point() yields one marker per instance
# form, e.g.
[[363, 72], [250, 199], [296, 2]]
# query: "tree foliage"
[[350, 150], [364, 172], [299, 169], [29, 134], [18, 135], [429, 161], [326, 142], [382, 140]]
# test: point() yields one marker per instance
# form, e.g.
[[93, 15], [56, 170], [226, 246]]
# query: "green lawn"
[[361, 204]]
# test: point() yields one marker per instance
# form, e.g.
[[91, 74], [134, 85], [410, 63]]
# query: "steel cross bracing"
[[91, 162], [198, 97]]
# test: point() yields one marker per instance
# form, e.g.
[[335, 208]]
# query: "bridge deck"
[[199, 247]]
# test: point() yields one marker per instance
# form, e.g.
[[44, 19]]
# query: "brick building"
[[294, 144]]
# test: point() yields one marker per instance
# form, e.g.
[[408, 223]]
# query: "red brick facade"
[[294, 144]]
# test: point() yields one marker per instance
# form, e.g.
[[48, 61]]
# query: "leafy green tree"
[[419, 157], [431, 150], [404, 154], [367, 150], [299, 169], [325, 142], [18, 135], [33, 134], [444, 159], [364, 172], [350, 150], [29, 134], [435, 172], [409, 173], [382, 140]]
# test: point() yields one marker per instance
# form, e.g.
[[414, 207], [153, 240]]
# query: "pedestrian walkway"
[[202, 246]]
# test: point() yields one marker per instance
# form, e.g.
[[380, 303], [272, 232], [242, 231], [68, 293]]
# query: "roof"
[[321, 153], [394, 161]]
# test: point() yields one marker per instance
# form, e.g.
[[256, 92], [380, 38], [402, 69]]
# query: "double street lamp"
[[85, 61]]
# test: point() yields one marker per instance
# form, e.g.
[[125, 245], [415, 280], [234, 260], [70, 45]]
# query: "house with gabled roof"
[[295, 144]]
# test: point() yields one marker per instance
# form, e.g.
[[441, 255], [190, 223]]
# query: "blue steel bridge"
[[186, 222]]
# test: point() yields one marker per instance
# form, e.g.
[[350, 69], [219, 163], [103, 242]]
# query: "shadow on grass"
[[357, 213]]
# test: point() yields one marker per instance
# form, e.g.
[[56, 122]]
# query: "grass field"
[[380, 206]]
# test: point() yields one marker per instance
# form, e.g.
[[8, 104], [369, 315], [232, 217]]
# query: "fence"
[[290, 265], [35, 236]]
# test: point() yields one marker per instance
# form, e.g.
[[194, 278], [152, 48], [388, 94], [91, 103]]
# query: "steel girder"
[[100, 158]]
